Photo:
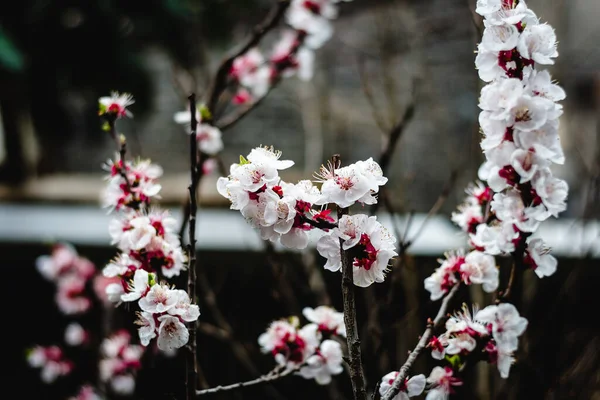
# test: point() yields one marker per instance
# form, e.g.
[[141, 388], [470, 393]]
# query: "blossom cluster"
[[475, 267], [164, 312], [149, 247], [312, 349], [120, 362], [71, 273], [519, 121], [255, 72], [493, 330], [284, 211], [51, 360], [292, 54], [131, 185], [369, 242]]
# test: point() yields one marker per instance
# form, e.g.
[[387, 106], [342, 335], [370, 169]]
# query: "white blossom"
[[327, 319], [324, 364], [543, 263], [538, 42], [410, 388], [172, 333], [507, 324]]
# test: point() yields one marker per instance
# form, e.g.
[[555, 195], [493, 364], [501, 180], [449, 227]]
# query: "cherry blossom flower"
[[86, 392], [494, 239], [290, 346], [252, 72], [538, 42], [159, 299], [328, 320], [147, 330], [120, 362], [172, 333], [116, 104], [288, 54], [51, 361], [346, 185], [135, 192], [183, 307], [480, 268], [75, 335], [410, 388], [114, 291], [441, 381], [209, 139], [326, 362], [505, 322], [446, 276], [499, 37], [539, 258], [373, 246], [139, 286]]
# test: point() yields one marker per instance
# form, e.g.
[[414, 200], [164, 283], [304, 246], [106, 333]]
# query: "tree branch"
[[219, 83], [192, 359], [403, 374], [357, 376], [274, 375]]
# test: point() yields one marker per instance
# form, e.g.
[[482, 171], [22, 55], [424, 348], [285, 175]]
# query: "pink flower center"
[[368, 251]]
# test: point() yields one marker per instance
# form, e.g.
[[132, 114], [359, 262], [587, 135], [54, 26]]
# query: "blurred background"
[[386, 57]]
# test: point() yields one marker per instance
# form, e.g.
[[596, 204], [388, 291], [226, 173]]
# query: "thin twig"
[[357, 375], [233, 118], [274, 375], [192, 359], [515, 270], [368, 92], [121, 144], [219, 83], [394, 136], [402, 375]]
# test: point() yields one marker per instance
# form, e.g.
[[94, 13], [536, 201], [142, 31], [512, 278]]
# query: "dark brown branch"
[[241, 112], [219, 83], [121, 144], [274, 375], [320, 224], [357, 376], [395, 134], [403, 374], [192, 359], [516, 270]]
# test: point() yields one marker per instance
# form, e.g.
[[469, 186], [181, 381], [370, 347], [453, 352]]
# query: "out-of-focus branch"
[[402, 375], [233, 118], [219, 83], [274, 375], [476, 20], [368, 92]]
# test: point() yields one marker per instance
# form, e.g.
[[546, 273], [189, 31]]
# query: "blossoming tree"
[[516, 191]]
